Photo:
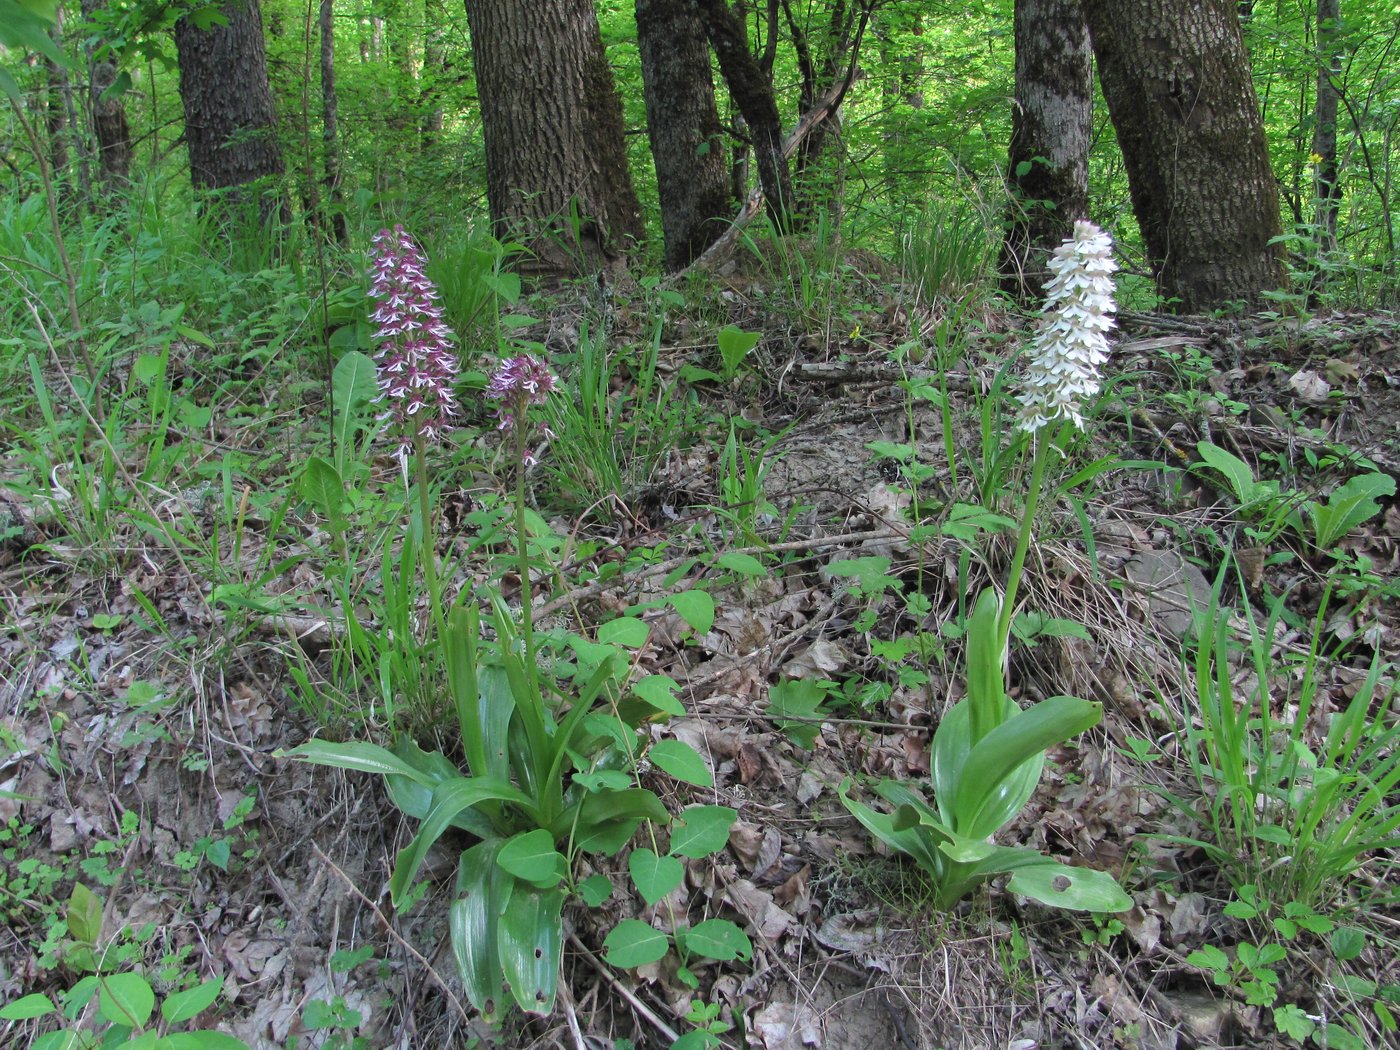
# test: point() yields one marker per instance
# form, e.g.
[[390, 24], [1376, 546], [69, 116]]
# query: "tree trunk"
[[56, 119], [1324, 145], [687, 141], [1051, 124], [230, 126], [1177, 80], [330, 128], [109, 124], [556, 159], [752, 91]]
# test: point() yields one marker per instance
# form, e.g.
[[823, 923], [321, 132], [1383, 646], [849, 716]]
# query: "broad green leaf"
[[1062, 886], [27, 1008], [1349, 506], [449, 799], [65, 1040], [913, 841], [352, 386], [531, 940], [483, 889], [681, 761], [126, 999], [702, 830], [659, 691], [595, 889], [321, 485], [949, 756], [986, 693], [84, 915], [182, 1006], [414, 797], [743, 564], [798, 698], [353, 754], [718, 939], [696, 608], [653, 875], [633, 943], [200, 1041], [531, 857], [626, 631], [735, 345], [25, 27], [871, 573], [992, 765]]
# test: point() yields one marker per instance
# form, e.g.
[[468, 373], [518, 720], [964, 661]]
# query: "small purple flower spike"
[[417, 361], [517, 384]]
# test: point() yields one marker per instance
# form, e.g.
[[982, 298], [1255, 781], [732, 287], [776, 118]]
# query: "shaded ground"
[[140, 710]]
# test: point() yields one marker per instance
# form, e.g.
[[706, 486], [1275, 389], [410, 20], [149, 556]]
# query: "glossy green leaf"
[[84, 916], [531, 940], [531, 857], [449, 799], [951, 748], [182, 1006], [659, 691], [633, 943], [681, 761], [482, 891], [653, 875], [595, 889], [718, 939], [626, 631], [695, 607], [353, 754], [27, 1008], [702, 830], [741, 563], [1062, 886], [126, 999], [986, 692]]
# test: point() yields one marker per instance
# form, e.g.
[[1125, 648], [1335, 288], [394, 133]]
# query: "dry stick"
[[393, 932], [753, 204], [623, 990]]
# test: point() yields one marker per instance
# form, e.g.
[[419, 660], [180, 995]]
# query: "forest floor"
[[139, 714]]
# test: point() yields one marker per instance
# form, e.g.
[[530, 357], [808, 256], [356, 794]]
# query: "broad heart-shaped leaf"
[[718, 939], [126, 999], [183, 1006], [682, 761], [992, 778], [530, 937], [633, 943], [531, 857], [1062, 886], [695, 607], [449, 799], [483, 889], [659, 691], [654, 876], [702, 830], [952, 745]]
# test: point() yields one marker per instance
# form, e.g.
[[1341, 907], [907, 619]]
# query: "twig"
[[393, 933], [622, 990]]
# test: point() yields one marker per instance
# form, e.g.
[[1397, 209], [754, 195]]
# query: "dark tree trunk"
[[687, 141], [555, 150], [1177, 80], [330, 129], [752, 91], [1051, 124], [1324, 145], [109, 124], [230, 126]]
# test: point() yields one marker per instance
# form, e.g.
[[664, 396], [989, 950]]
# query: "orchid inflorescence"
[[1072, 344], [518, 383], [417, 361]]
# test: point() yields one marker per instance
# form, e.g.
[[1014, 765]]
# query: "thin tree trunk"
[[1051, 125], [1177, 80], [687, 141], [56, 119], [1328, 189], [109, 125], [752, 92], [330, 134]]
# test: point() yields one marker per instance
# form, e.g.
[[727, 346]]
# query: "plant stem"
[[1023, 542], [428, 538], [527, 621]]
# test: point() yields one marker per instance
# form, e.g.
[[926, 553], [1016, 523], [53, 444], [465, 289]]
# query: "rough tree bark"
[[109, 125], [752, 91], [1177, 80], [230, 125], [1328, 189], [1051, 124], [330, 125], [553, 128], [687, 140]]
